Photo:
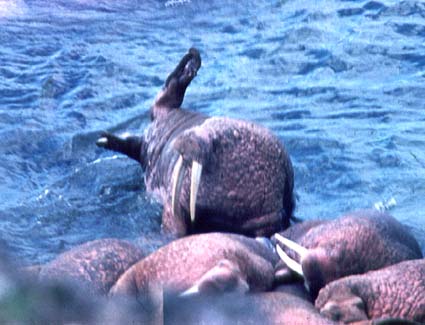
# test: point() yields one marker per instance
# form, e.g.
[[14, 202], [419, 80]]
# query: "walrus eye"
[[177, 180], [301, 251]]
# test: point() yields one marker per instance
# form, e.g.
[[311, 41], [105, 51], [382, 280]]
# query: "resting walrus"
[[201, 264], [354, 243], [232, 175], [93, 266]]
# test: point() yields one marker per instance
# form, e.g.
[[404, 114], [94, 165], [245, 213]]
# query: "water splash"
[[385, 205], [174, 3], [12, 8]]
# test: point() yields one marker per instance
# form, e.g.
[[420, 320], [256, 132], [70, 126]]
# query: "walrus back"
[[248, 175]]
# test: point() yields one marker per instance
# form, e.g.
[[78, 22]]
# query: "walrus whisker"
[[289, 262], [300, 250], [176, 180], [194, 186]]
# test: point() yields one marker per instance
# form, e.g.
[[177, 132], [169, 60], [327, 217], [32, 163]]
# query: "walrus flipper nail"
[[102, 142]]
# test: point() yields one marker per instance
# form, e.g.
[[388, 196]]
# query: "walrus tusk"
[[102, 142], [301, 251], [294, 266], [177, 180], [194, 290], [194, 186]]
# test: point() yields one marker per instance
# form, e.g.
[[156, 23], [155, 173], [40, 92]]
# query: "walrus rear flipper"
[[171, 96], [130, 146]]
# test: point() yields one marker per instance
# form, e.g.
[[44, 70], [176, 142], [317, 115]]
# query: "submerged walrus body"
[[211, 173]]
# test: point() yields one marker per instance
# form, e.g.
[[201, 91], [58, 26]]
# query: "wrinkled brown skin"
[[180, 265], [283, 308], [25, 300], [352, 244], [397, 291], [294, 288], [247, 180], [95, 266], [258, 308]]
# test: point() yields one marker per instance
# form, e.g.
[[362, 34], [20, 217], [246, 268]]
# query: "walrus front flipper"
[[171, 96], [130, 146], [226, 276]]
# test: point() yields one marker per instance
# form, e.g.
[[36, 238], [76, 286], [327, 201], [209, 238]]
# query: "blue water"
[[342, 83]]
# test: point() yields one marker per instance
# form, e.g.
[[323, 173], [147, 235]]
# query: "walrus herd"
[[238, 255]]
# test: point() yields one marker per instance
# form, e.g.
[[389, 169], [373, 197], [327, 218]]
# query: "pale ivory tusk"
[[301, 251], [190, 292], [289, 262], [194, 186], [177, 180]]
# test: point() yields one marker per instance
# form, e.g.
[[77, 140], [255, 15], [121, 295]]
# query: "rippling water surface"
[[340, 82]]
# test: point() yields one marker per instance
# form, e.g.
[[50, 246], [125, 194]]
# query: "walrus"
[[355, 243], [210, 173], [201, 264], [269, 308], [93, 266], [397, 291]]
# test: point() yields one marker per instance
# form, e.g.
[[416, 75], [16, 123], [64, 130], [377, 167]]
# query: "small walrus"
[[210, 173]]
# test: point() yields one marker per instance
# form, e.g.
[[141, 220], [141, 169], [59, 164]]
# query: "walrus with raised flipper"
[[211, 173]]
